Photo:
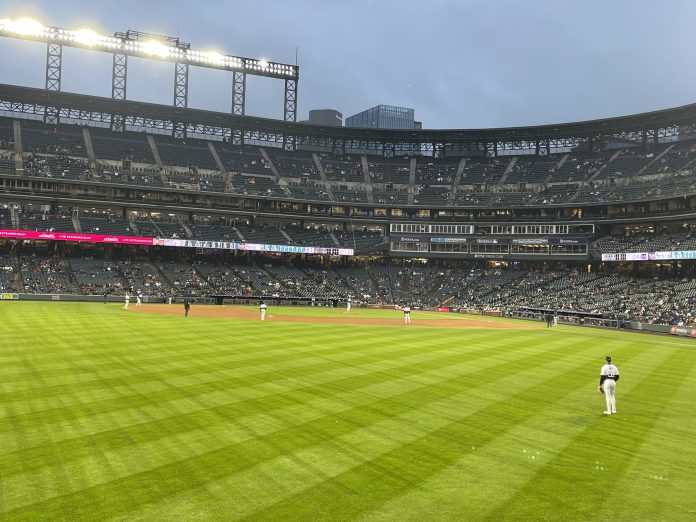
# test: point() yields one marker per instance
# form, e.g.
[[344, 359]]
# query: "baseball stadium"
[[211, 315]]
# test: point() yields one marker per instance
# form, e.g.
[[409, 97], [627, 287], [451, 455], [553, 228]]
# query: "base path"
[[419, 319]]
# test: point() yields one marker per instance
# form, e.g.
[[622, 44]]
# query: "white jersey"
[[407, 309], [263, 307], [609, 371]]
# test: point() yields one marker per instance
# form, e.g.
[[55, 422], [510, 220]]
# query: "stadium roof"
[[649, 121]]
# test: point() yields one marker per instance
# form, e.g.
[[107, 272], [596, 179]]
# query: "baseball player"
[[139, 299], [607, 384], [187, 307], [263, 309], [407, 314], [348, 306], [125, 306]]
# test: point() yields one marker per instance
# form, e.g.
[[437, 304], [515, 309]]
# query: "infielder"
[[263, 309], [607, 384], [139, 300], [407, 314]]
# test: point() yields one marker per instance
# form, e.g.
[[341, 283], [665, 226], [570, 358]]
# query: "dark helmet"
[[608, 358]]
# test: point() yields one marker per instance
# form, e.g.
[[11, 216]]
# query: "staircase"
[[67, 269], [88, 145], [291, 241], [457, 180], [412, 181], [322, 173], [158, 159], [501, 182], [241, 236], [76, 222], [14, 217], [368, 181], [549, 178], [155, 150], [655, 159], [18, 150], [593, 176], [186, 228], [134, 227], [280, 180]]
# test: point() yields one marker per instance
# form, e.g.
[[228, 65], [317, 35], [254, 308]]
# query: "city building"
[[384, 117], [329, 117]]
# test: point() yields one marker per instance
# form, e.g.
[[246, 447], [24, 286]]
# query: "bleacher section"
[[385, 170], [65, 140], [97, 276], [666, 170], [131, 146]]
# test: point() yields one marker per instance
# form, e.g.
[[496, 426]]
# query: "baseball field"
[[317, 414]]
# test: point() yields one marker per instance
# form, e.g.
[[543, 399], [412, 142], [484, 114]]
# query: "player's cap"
[[608, 358]]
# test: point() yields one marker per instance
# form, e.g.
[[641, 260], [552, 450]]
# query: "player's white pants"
[[407, 318], [263, 315], [138, 302], [125, 306], [609, 387], [348, 308]]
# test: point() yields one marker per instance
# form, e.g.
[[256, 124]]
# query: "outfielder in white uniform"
[[125, 306], [348, 306], [139, 300], [608, 377], [407, 314], [263, 309]]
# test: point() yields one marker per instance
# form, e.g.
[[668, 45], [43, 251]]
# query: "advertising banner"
[[76, 236], [180, 243]]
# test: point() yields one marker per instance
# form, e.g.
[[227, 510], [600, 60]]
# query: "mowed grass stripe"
[[162, 347], [208, 415], [662, 485], [398, 471], [611, 440], [489, 474], [25, 421], [307, 466], [171, 367], [213, 465]]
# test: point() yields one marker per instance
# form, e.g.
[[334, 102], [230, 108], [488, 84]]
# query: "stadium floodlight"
[[87, 37], [31, 29], [154, 48], [151, 46], [23, 26]]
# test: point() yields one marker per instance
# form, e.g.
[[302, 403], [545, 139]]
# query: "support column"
[[119, 81], [238, 93], [181, 71], [290, 111], [54, 60]]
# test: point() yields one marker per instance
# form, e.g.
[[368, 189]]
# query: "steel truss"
[[238, 93], [119, 83], [290, 106], [54, 61], [281, 135]]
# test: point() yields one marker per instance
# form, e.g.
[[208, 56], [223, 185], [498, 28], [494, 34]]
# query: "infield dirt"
[[244, 314]]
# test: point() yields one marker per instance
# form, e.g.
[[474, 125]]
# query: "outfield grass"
[[109, 414]]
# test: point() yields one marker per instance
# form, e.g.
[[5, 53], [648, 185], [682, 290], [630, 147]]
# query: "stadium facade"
[[502, 213]]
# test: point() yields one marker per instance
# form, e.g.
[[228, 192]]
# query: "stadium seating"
[[65, 140], [97, 276], [124, 146], [384, 170]]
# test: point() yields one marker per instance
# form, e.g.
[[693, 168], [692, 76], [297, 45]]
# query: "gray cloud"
[[460, 64]]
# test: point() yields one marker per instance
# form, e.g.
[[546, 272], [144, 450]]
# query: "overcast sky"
[[459, 64]]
